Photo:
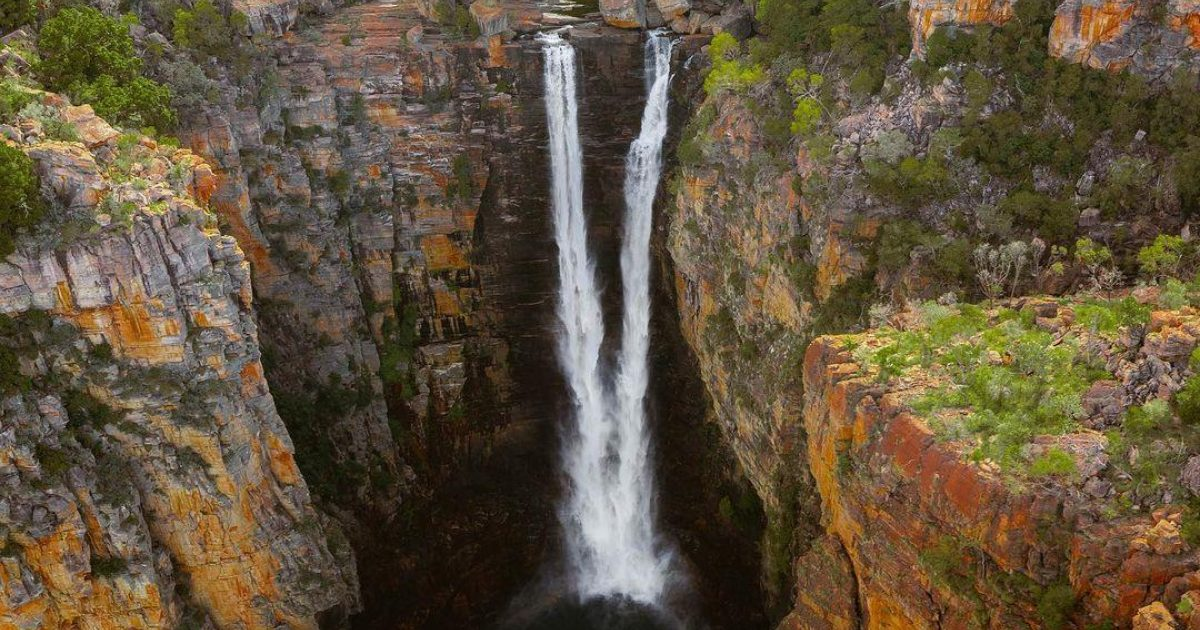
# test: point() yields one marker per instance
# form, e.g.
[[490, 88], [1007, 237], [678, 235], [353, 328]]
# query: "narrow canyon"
[[792, 314]]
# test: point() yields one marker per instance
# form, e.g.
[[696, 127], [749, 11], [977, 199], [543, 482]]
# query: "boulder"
[[624, 13], [1154, 617]]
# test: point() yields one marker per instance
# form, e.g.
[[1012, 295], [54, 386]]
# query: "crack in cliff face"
[[142, 449]]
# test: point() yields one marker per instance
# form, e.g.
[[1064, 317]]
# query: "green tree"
[[15, 14], [1186, 173], [20, 200], [90, 57], [1162, 257]]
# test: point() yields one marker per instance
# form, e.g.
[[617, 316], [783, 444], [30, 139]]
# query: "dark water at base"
[[600, 614]]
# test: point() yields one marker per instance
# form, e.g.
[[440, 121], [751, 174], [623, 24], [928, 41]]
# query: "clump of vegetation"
[[456, 18], [859, 36], [461, 184], [208, 31], [90, 57], [1163, 257], [54, 461], [730, 70], [1000, 406], [16, 13], [804, 86], [21, 204], [1055, 462], [83, 409], [108, 566]]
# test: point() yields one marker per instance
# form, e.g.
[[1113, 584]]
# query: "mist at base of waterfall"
[[600, 613]]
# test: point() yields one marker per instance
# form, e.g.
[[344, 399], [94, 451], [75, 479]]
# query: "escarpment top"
[[147, 478], [1015, 465]]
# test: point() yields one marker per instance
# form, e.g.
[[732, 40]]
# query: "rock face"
[[1107, 34], [146, 477], [270, 17], [926, 15], [926, 538], [398, 230], [715, 246], [1119, 35]]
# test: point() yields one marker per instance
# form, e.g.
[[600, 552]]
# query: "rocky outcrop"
[[1119, 35], [146, 478], [685, 17], [732, 269], [269, 17], [933, 538], [1106, 34], [926, 15]]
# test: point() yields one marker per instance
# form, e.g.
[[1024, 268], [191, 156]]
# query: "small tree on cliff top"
[[91, 57], [20, 199]]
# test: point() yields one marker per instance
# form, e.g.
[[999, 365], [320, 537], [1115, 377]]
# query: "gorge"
[[661, 313]]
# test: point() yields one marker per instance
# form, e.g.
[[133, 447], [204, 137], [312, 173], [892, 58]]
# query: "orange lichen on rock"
[[441, 253], [927, 15], [1189, 22], [1076, 33], [891, 491]]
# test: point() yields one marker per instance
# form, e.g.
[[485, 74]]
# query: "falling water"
[[608, 515]]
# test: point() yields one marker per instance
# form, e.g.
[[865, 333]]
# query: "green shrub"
[[83, 409], [859, 35], [15, 14], [729, 70], [1187, 401], [54, 462], [912, 182], [1053, 463], [21, 203], [462, 182], [108, 567], [12, 99], [1055, 605], [1127, 188], [1038, 393], [207, 31], [1053, 220], [1186, 173], [90, 57], [1162, 257], [456, 18]]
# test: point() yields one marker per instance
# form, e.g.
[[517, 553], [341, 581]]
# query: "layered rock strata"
[[918, 535], [146, 477]]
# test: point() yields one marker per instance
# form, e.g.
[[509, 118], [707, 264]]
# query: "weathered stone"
[[926, 15], [272, 17], [1189, 475], [196, 480], [1119, 34], [673, 9], [624, 13], [1104, 401], [735, 21], [1154, 617]]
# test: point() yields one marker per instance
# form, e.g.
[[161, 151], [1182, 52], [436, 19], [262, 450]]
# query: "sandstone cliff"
[[921, 534], [147, 479], [1152, 38]]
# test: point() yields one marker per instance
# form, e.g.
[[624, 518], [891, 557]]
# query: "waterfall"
[[608, 514]]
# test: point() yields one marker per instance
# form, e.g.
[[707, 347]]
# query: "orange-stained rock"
[[926, 15], [190, 478], [1119, 34], [1154, 617], [895, 497]]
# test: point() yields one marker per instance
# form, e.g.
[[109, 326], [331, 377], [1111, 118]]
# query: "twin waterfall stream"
[[608, 513]]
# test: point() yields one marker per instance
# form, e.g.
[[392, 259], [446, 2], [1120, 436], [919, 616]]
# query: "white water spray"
[[608, 515]]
